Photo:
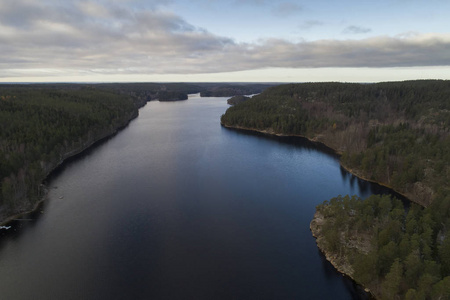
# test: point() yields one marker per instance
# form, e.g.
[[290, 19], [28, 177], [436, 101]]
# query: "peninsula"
[[396, 134]]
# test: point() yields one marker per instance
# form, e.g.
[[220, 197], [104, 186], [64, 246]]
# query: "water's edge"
[[338, 153], [89, 144], [315, 222], [339, 263]]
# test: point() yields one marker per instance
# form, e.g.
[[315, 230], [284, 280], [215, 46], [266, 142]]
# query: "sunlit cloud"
[[89, 37]]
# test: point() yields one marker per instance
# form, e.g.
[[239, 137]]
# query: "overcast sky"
[[226, 40]]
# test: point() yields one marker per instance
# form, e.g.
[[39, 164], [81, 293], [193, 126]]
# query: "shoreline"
[[343, 268], [4, 220], [339, 263], [337, 152]]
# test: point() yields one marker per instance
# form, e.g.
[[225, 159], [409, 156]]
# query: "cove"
[[175, 206]]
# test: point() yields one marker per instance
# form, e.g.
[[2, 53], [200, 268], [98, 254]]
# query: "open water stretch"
[[177, 207]]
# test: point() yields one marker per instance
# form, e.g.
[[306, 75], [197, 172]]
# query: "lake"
[[177, 207]]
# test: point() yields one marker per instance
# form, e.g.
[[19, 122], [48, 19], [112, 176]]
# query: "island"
[[393, 133]]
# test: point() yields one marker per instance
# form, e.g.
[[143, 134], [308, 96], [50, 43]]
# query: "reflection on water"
[[177, 207]]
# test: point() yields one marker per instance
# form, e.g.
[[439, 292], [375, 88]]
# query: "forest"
[[41, 125], [229, 90], [397, 254], [394, 133], [237, 99]]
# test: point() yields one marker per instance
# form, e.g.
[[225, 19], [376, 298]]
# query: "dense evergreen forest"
[[395, 133], [396, 254], [42, 125]]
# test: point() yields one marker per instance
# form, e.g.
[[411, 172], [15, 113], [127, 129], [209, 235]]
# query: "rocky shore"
[[339, 261]]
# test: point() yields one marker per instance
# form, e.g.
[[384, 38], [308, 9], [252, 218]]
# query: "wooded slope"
[[42, 125], [395, 133], [396, 254]]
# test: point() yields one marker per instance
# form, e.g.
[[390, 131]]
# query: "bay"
[[177, 207]]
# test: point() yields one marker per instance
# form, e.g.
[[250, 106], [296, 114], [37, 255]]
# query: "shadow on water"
[[83, 154], [357, 291], [364, 186], [296, 141], [29, 220]]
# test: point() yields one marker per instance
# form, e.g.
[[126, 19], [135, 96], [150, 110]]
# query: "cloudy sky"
[[224, 40]]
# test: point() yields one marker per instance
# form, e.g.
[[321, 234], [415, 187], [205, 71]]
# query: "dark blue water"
[[177, 207]]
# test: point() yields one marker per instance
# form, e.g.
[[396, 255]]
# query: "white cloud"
[[92, 38]]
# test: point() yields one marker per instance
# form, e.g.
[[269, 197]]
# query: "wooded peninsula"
[[396, 134]]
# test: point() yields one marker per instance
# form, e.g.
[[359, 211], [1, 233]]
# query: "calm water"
[[177, 207]]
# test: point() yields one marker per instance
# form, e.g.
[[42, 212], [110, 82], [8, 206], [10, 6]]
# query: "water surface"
[[177, 207]]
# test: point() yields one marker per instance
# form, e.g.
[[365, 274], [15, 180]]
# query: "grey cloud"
[[251, 2], [117, 40], [310, 24], [374, 52], [20, 13], [276, 7], [286, 9], [356, 30]]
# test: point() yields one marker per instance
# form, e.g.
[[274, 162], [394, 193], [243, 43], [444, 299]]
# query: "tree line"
[[42, 125]]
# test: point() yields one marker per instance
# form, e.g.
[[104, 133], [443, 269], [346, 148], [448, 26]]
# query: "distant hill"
[[229, 90]]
